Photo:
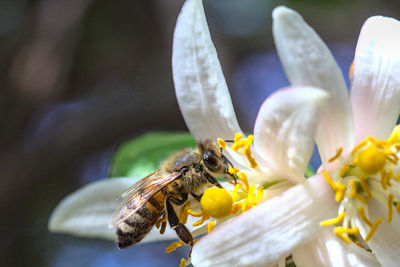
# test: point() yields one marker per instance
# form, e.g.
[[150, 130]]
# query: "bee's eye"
[[210, 160]]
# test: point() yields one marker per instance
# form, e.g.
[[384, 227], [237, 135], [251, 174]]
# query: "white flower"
[[286, 224]]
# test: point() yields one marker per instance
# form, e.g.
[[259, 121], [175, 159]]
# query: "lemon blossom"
[[358, 156], [283, 136]]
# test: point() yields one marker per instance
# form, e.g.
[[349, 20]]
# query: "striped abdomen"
[[136, 227]]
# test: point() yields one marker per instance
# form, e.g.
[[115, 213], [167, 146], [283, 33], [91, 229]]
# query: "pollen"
[[371, 160], [221, 143], [217, 202]]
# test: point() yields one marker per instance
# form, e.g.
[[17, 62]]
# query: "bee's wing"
[[139, 193]]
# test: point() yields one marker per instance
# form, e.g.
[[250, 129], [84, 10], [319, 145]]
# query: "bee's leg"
[[177, 201], [197, 197], [180, 229], [211, 179]]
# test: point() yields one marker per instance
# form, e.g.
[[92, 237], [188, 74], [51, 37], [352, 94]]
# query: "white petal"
[[308, 61], [200, 85], [87, 212], [285, 128], [385, 243], [329, 251], [375, 93], [266, 233]]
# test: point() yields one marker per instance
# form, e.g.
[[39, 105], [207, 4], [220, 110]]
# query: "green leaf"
[[309, 171], [144, 154]]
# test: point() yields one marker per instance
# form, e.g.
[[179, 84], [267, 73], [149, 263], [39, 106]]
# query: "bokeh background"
[[78, 77]]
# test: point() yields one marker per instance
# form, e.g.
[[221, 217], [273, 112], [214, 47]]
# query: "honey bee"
[[187, 172]]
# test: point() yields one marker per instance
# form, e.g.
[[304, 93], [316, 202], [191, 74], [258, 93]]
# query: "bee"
[[187, 172]]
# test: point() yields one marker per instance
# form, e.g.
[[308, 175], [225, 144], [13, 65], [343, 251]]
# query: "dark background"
[[77, 77]]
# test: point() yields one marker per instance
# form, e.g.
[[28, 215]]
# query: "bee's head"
[[213, 158]]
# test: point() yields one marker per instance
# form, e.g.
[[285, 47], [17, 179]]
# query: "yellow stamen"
[[183, 263], [260, 193], [365, 188], [233, 170], [363, 217], [344, 170], [252, 197], [174, 246], [343, 236], [361, 198], [237, 137], [196, 214], [373, 229], [378, 143], [243, 178], [333, 221], [236, 208], [390, 207], [183, 214], [383, 179], [202, 220], [210, 226], [343, 230], [357, 147], [353, 191], [247, 152], [371, 160], [339, 188], [338, 153], [221, 143], [235, 191], [238, 145]]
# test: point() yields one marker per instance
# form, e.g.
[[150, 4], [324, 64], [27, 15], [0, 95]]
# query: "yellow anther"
[[365, 188], [339, 188], [210, 226], [395, 136], [260, 193], [233, 170], [243, 178], [363, 217], [221, 143], [238, 145], [390, 207], [236, 208], [183, 214], [183, 263], [247, 152], [202, 220], [174, 246], [216, 202], [350, 231], [373, 229], [338, 153], [252, 197], [361, 198], [196, 214], [234, 193], [343, 236], [353, 185], [383, 178], [237, 137], [344, 170], [371, 160], [357, 147], [333, 221]]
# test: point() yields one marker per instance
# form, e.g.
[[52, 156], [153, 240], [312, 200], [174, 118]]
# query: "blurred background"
[[78, 77]]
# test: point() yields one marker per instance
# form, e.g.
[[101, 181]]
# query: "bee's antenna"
[[230, 141]]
